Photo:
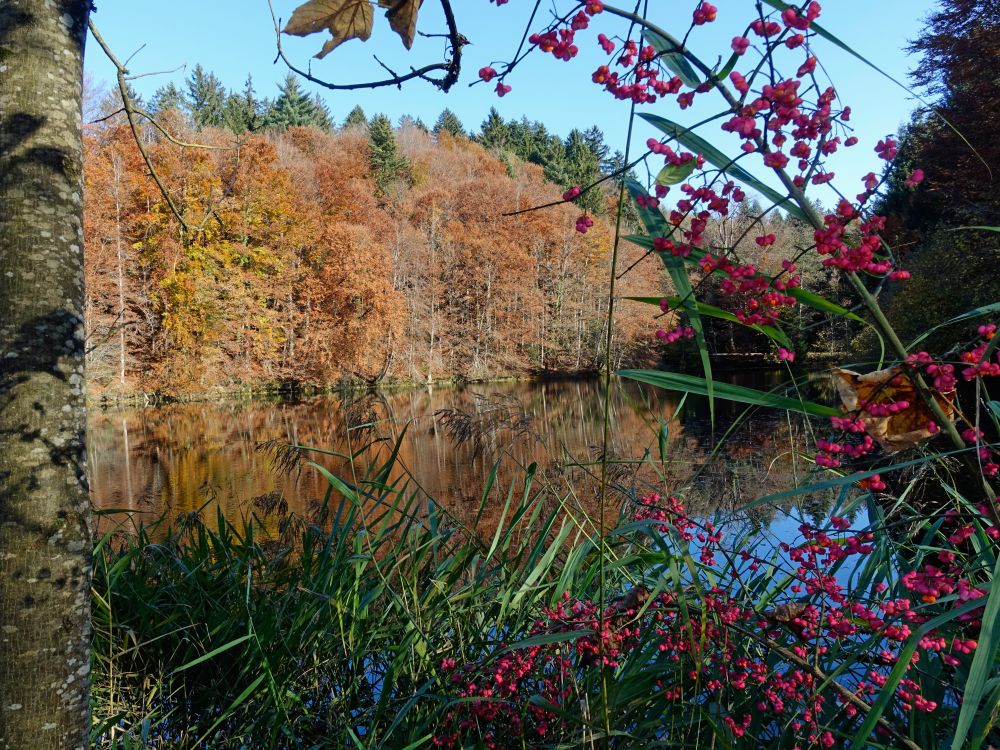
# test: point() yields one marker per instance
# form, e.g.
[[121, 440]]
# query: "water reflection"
[[181, 458]]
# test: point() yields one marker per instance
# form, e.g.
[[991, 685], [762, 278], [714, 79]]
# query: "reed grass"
[[363, 625]]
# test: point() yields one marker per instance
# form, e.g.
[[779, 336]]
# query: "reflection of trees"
[[181, 456]]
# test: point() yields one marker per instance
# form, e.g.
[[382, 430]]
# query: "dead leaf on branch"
[[344, 19], [352, 19], [894, 432], [402, 15]]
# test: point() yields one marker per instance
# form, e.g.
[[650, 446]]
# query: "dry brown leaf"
[[344, 19], [402, 15], [895, 432]]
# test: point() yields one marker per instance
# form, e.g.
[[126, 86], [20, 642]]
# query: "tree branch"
[[451, 67], [131, 111]]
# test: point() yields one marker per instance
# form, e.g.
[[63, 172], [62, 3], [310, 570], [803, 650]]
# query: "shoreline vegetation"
[[377, 615], [265, 391], [601, 613]]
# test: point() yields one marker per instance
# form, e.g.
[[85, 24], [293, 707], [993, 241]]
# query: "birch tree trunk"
[[45, 538]]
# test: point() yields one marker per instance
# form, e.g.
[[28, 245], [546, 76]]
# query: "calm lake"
[[189, 457]]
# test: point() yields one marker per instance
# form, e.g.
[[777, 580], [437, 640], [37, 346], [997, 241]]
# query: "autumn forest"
[[319, 253]]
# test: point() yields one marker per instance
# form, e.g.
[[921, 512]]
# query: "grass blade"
[[657, 226], [716, 157], [673, 381]]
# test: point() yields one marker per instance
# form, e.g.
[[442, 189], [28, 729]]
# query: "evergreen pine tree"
[[134, 96], [594, 137], [578, 165], [292, 108], [494, 133], [448, 122], [407, 121], [321, 115], [243, 111], [207, 99], [356, 117], [167, 97], [387, 164]]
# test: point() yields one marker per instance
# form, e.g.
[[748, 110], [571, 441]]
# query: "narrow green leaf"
[[985, 229], [969, 315], [675, 173], [674, 60], [723, 162], [546, 638], [861, 739], [673, 381], [212, 653], [983, 664], [232, 707], [809, 299], [657, 226], [711, 311], [822, 304]]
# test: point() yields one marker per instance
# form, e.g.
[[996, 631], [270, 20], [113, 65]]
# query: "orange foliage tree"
[[295, 268]]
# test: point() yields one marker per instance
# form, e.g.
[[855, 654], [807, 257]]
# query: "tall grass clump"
[[379, 622]]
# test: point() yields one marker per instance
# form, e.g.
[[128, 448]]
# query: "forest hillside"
[[297, 251], [314, 257]]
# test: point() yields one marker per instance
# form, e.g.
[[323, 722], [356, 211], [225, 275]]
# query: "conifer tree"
[[293, 107], [387, 164], [448, 122], [207, 99], [594, 138], [168, 97], [322, 120], [494, 133], [243, 111], [356, 117], [578, 165]]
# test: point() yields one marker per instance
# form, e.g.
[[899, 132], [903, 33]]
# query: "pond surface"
[[191, 457]]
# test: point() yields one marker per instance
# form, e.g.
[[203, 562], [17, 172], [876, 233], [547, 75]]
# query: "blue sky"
[[235, 37]]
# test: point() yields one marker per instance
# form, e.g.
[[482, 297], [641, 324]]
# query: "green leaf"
[[711, 311], [714, 156], [983, 664], [212, 653], [822, 304], [809, 299], [674, 60], [984, 229], [863, 735], [975, 313], [232, 707], [728, 67], [657, 226], [673, 381], [547, 638], [671, 174]]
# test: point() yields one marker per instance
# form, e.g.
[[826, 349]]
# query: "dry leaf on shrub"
[[898, 431], [352, 19], [402, 15]]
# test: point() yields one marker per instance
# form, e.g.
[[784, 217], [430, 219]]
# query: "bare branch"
[[133, 77], [130, 114], [166, 134], [451, 67], [130, 110]]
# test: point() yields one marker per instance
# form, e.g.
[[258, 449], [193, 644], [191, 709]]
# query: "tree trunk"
[[45, 537], [116, 165]]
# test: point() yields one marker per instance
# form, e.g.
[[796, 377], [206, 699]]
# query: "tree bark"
[[45, 535]]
